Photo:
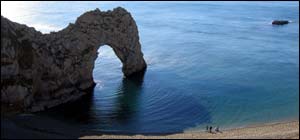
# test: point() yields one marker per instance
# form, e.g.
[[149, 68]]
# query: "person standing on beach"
[[207, 128], [210, 128], [217, 129]]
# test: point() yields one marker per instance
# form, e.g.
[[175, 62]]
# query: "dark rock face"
[[39, 71], [280, 22]]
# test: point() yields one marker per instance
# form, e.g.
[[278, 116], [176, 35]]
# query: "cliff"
[[39, 71]]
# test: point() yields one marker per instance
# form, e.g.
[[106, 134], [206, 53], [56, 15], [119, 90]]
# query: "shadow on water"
[[168, 115], [128, 97], [84, 116]]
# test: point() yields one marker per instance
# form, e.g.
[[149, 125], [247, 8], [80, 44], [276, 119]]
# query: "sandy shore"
[[28, 126], [286, 130]]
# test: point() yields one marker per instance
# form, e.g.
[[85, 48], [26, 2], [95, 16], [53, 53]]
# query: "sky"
[[21, 12]]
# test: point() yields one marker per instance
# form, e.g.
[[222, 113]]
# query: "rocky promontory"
[[39, 71]]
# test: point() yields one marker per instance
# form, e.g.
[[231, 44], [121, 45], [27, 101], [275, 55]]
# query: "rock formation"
[[280, 22], [39, 71]]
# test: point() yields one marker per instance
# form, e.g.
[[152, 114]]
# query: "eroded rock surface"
[[39, 71]]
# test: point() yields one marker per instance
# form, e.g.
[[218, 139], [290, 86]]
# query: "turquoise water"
[[209, 63]]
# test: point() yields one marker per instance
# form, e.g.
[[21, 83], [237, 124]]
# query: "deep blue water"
[[209, 63]]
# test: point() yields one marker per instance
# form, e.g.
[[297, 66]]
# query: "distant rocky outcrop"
[[39, 71], [280, 22]]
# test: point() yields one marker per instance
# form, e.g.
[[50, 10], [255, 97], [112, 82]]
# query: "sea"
[[209, 64]]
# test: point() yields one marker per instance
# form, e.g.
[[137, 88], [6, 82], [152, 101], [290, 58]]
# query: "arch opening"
[[107, 66]]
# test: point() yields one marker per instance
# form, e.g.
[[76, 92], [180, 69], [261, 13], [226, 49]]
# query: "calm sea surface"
[[209, 63]]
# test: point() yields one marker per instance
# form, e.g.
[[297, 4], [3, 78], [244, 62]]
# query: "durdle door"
[[39, 71]]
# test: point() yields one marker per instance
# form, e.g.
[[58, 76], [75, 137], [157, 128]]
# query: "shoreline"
[[251, 125], [278, 130], [29, 127]]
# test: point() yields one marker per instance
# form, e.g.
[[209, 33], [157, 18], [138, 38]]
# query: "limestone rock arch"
[[39, 71]]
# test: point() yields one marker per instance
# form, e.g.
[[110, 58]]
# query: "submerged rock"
[[39, 71], [280, 22]]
